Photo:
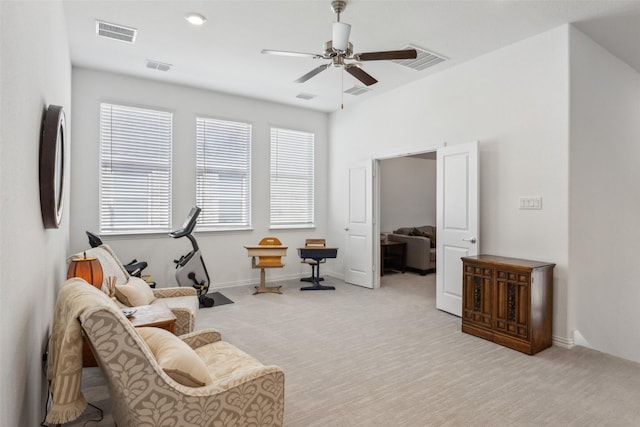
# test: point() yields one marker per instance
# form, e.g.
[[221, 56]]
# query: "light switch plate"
[[530, 203]]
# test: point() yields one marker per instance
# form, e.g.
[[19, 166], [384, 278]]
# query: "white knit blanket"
[[65, 349]]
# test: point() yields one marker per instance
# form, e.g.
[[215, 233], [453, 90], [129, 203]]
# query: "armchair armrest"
[[202, 337], [175, 291]]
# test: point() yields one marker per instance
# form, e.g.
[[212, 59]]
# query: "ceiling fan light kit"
[[340, 35], [339, 51]]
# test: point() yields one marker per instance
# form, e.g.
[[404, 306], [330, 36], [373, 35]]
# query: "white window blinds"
[[292, 182], [135, 170], [223, 174]]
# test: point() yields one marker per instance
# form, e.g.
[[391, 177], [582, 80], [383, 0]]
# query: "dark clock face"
[[52, 166]]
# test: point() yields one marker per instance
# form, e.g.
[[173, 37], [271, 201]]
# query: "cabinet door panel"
[[477, 307], [512, 304]]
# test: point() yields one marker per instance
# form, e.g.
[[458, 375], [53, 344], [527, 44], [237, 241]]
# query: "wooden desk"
[[156, 315], [317, 254], [266, 250], [268, 257], [385, 254]]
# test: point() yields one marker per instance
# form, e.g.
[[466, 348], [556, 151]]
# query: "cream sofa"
[[133, 291], [421, 247]]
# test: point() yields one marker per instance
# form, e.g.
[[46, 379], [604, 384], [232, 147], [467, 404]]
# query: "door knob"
[[472, 240]]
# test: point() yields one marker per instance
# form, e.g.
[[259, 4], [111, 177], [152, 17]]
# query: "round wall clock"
[[52, 147]]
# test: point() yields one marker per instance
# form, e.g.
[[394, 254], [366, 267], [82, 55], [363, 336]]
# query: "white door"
[[359, 226], [457, 220]]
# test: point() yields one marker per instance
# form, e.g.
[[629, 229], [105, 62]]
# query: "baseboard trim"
[[562, 342]]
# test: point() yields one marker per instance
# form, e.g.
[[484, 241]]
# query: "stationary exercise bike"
[[190, 268]]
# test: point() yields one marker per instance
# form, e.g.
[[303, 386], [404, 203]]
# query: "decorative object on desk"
[[52, 166], [269, 253], [87, 268]]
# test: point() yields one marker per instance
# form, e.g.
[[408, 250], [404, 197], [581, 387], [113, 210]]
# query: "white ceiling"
[[224, 54]]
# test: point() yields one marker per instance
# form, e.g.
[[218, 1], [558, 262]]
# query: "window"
[[223, 174], [135, 170], [291, 179]]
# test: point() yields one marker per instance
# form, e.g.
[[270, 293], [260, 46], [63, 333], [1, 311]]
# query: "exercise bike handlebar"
[[189, 224]]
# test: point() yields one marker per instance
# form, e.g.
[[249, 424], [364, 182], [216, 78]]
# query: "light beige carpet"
[[388, 357]]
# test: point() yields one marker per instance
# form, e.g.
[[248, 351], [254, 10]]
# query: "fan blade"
[[285, 53], [312, 73], [389, 54], [360, 74]]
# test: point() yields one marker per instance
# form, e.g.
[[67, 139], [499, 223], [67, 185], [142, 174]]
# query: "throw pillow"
[[175, 357], [424, 233], [135, 292], [403, 230], [416, 232]]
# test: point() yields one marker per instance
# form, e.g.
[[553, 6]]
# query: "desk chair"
[[268, 261], [313, 263]]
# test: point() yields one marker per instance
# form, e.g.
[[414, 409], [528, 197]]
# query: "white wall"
[[223, 252], [515, 102], [604, 201], [35, 72], [407, 193]]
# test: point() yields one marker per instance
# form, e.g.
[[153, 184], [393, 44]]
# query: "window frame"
[[309, 222], [244, 173], [163, 197]]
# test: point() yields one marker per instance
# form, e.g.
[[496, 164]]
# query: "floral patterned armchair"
[[183, 301], [240, 391]]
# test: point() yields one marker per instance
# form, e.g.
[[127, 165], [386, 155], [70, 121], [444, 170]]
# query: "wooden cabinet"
[[508, 301]]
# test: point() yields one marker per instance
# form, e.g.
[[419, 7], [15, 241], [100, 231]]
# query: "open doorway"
[[407, 213], [457, 220]]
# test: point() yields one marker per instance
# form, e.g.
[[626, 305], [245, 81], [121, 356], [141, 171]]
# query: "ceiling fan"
[[340, 52]]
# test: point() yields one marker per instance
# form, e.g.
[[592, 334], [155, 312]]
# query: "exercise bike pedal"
[[206, 301]]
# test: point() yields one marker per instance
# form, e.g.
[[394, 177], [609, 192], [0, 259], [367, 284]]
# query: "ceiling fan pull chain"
[[342, 89]]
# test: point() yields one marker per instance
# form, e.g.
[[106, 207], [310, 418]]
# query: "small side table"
[[386, 255], [156, 315]]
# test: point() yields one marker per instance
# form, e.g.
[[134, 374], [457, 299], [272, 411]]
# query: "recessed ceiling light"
[[195, 18]]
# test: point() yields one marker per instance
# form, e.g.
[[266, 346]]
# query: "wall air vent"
[[157, 65], [357, 90], [305, 96], [424, 60], [116, 32]]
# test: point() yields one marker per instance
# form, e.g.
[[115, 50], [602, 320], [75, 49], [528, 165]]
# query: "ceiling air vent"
[[116, 32], [157, 65], [305, 96], [424, 60], [357, 90]]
